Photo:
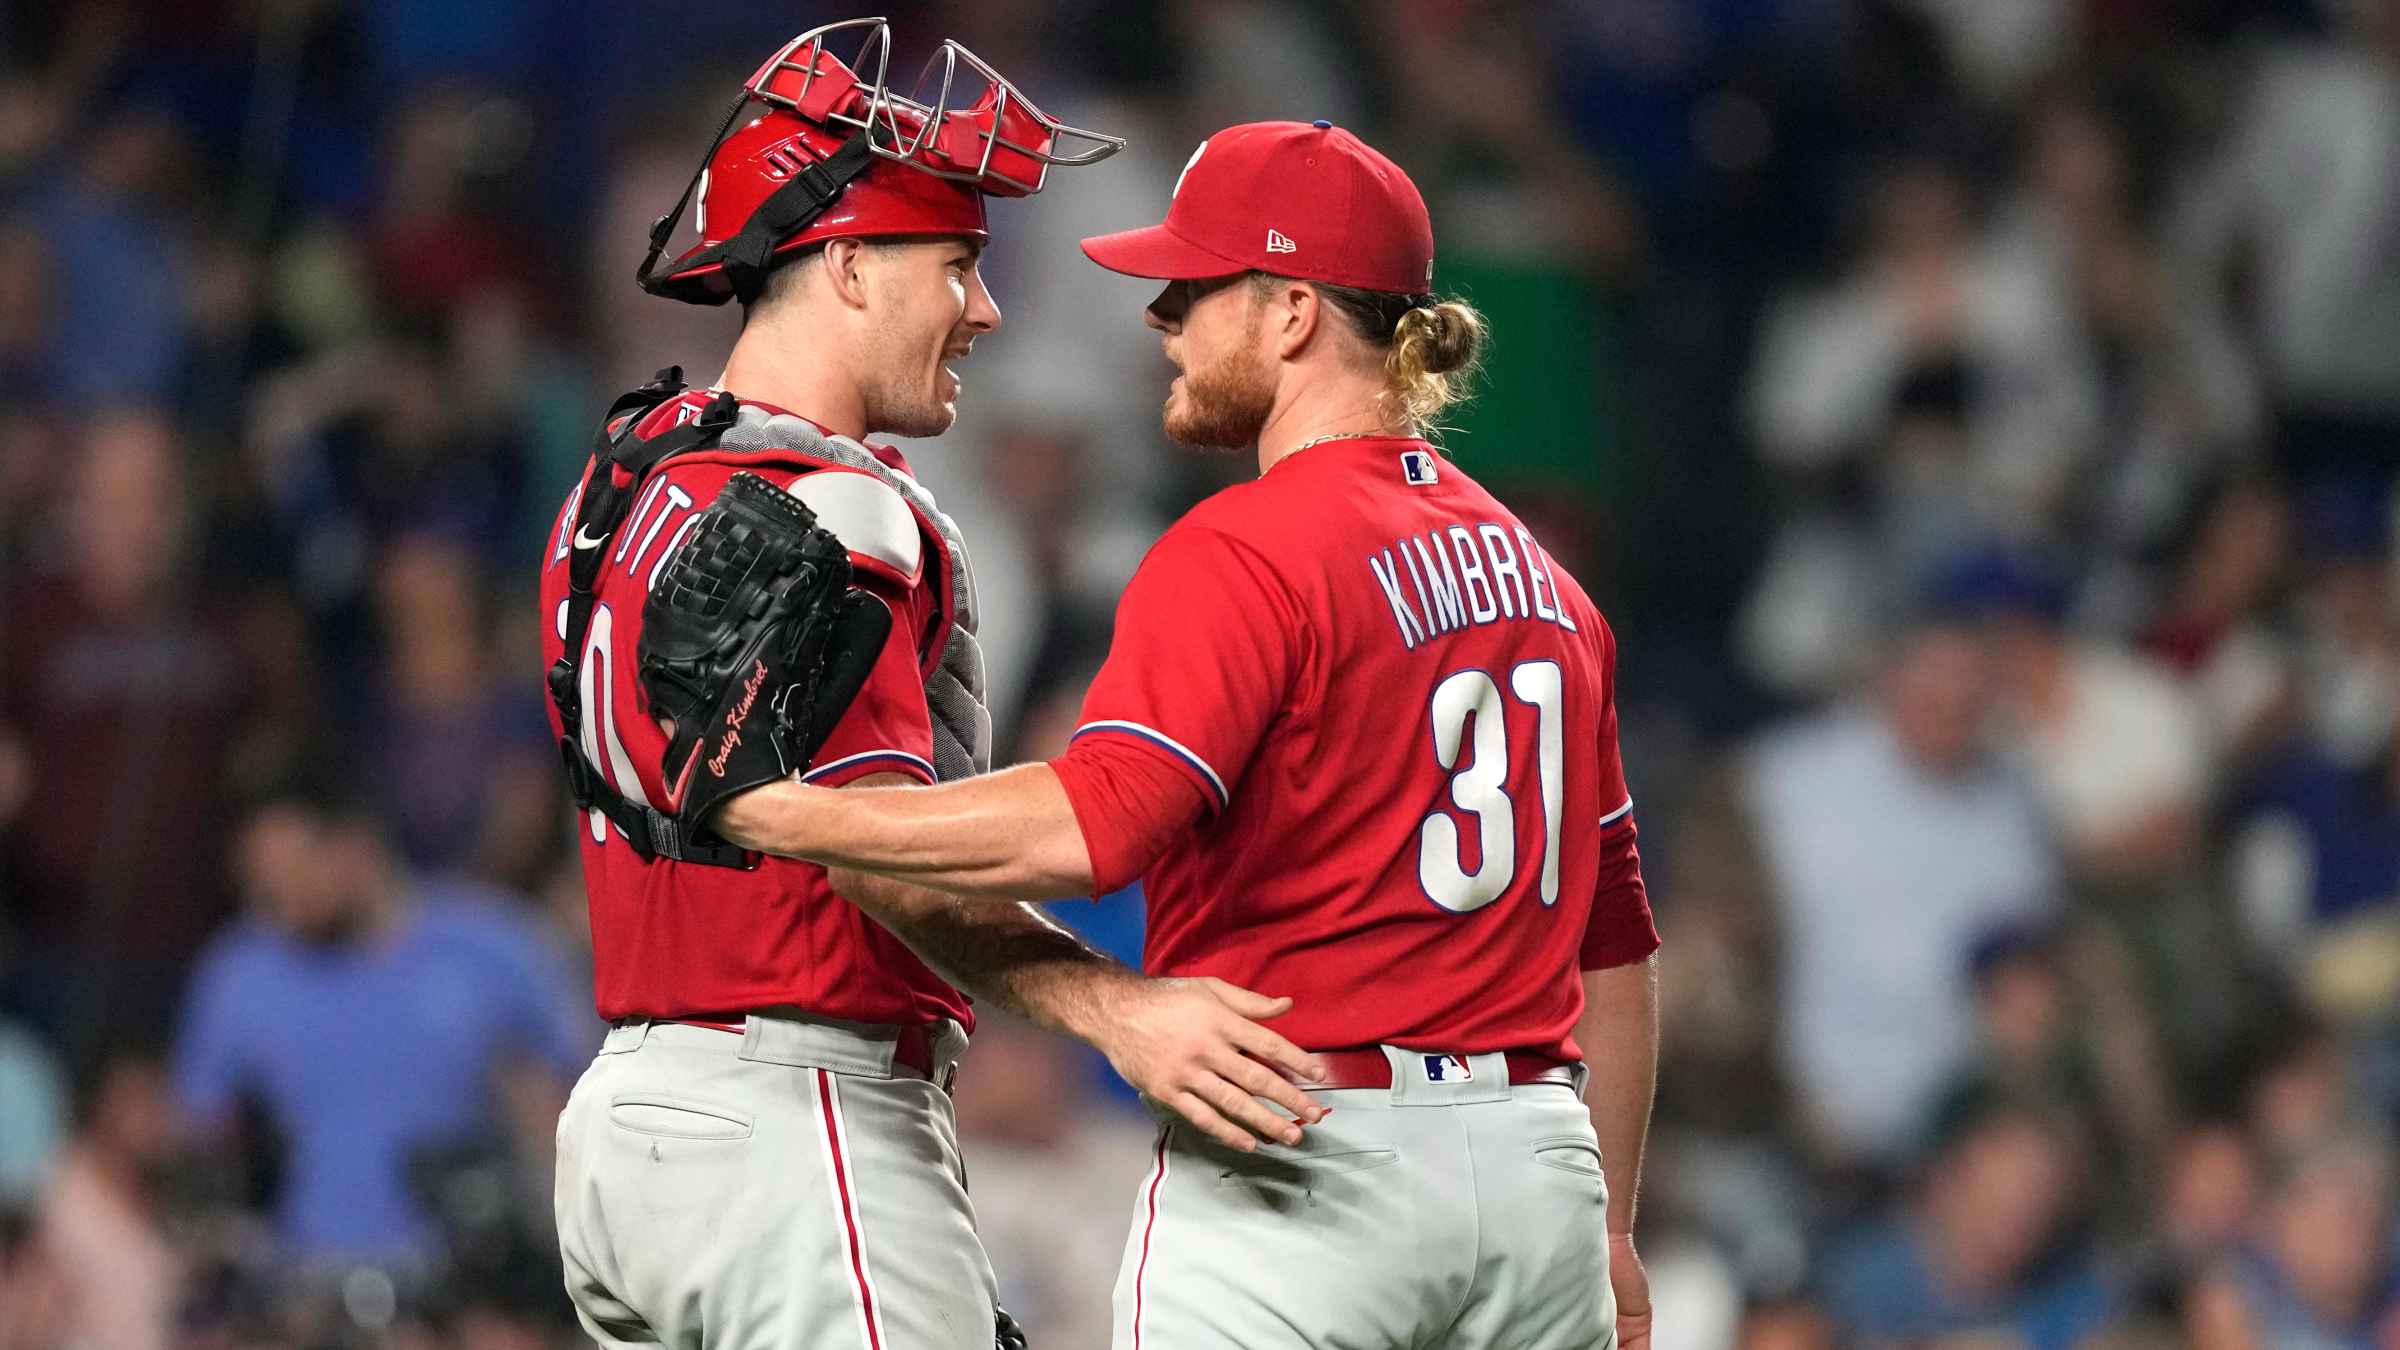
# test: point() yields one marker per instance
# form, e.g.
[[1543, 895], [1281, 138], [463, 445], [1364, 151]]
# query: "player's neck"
[[1324, 410], [762, 369]]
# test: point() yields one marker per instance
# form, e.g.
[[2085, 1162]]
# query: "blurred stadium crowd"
[[1979, 420]]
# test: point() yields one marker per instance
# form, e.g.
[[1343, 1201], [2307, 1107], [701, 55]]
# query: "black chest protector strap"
[[620, 463]]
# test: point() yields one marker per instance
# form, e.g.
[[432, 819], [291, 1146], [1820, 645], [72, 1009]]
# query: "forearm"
[[1619, 1036], [1011, 956], [1010, 835]]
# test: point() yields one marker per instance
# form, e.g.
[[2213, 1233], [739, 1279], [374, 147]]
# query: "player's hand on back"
[[753, 644], [1197, 1046]]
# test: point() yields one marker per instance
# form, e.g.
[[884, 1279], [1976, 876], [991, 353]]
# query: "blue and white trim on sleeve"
[[1624, 812], [1167, 743], [894, 760]]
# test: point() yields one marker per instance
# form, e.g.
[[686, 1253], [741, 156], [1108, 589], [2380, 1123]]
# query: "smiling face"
[[1211, 332], [929, 304]]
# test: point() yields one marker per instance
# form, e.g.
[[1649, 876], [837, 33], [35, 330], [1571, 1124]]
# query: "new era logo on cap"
[[1279, 242], [1416, 467]]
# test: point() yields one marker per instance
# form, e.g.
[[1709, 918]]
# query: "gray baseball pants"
[[780, 1189]]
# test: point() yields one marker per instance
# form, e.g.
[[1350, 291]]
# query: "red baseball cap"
[[1298, 199]]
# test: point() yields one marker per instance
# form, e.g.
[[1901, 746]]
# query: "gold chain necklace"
[[1338, 436]]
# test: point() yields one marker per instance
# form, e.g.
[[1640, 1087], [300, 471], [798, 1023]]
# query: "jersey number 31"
[[1481, 788]]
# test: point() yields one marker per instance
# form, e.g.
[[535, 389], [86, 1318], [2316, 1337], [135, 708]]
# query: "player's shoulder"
[[858, 492], [1249, 513], [1220, 531], [867, 514]]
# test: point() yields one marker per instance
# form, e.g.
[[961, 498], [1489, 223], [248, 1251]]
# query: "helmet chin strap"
[[665, 225]]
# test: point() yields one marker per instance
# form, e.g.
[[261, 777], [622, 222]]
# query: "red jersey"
[[1401, 714], [673, 939]]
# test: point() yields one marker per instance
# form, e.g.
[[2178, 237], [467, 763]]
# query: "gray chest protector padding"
[[962, 727]]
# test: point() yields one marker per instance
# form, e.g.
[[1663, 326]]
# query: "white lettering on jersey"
[[1417, 577], [1467, 576], [566, 527], [1411, 632], [674, 542], [1446, 611], [1538, 576], [1470, 566], [1504, 567], [633, 523], [677, 500]]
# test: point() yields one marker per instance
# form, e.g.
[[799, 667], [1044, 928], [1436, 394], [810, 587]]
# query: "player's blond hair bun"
[[1434, 352]]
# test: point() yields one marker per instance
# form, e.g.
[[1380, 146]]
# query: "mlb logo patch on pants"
[[1448, 1069]]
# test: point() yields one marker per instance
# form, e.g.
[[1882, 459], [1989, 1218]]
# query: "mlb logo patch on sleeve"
[[1417, 467]]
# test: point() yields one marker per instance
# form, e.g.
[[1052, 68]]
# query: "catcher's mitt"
[[753, 643]]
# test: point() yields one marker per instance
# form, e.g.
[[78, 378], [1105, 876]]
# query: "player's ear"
[[1295, 311], [849, 265]]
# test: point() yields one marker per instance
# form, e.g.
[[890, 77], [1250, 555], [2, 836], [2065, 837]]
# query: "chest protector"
[[962, 726], [621, 461]]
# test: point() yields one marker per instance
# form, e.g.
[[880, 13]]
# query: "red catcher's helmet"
[[832, 153]]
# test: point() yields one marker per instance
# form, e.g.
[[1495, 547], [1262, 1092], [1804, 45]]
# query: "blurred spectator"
[[27, 277], [33, 1102], [1958, 369], [2177, 396], [429, 246], [2350, 617], [1893, 841], [2295, 219], [2320, 1274], [373, 1017], [468, 775], [2056, 1023], [103, 1218], [374, 439], [2302, 1091], [2117, 752], [133, 691], [1999, 50], [118, 332], [33, 1290], [2215, 625], [33, 1112], [1791, 1325], [1037, 1148], [1984, 1245], [2210, 1194], [2318, 860]]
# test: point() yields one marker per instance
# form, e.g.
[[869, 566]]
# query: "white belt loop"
[[949, 1046], [624, 1037], [820, 1043]]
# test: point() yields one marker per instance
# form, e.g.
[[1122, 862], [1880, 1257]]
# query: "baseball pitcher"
[[1357, 734]]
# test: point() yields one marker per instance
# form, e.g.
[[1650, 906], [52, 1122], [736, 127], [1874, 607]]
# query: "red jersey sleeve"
[[1205, 653], [1620, 930], [1129, 803], [886, 729]]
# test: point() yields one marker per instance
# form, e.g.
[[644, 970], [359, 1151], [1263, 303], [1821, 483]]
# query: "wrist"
[[785, 818], [1093, 1005]]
